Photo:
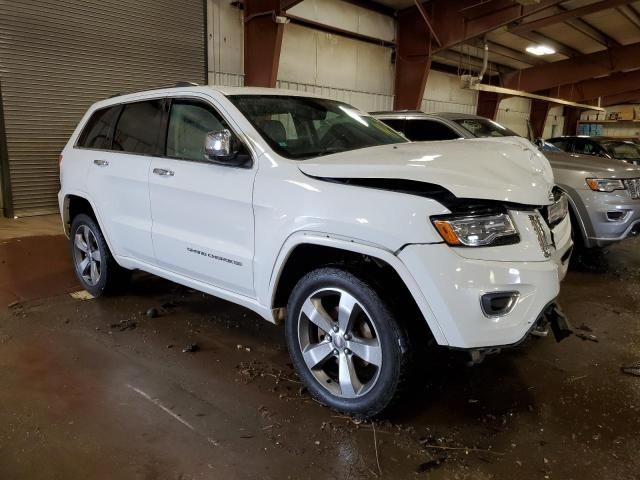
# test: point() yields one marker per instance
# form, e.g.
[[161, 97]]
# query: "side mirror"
[[219, 149], [218, 145]]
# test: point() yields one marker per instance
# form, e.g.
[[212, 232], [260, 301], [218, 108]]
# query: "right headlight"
[[477, 231], [605, 184]]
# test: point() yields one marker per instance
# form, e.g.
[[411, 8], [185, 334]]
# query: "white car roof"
[[220, 89]]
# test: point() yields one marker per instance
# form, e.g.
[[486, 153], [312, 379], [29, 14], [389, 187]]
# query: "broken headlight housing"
[[605, 184], [477, 230]]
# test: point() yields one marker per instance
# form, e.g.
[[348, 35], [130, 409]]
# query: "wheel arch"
[[304, 252], [580, 217]]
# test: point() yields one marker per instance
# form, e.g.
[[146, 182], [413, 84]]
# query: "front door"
[[202, 213]]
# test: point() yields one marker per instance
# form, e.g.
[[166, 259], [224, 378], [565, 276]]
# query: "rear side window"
[[189, 124], [428, 130], [139, 128], [97, 131]]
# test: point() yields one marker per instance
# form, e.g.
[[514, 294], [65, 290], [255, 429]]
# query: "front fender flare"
[[351, 245]]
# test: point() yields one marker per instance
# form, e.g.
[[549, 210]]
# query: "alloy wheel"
[[339, 343], [87, 257]]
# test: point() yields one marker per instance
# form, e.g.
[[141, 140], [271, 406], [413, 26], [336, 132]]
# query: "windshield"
[[483, 127], [622, 149], [303, 127]]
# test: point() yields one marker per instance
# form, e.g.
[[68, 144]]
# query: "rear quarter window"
[[98, 129]]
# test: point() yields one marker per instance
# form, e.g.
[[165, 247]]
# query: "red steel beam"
[[413, 61], [617, 84], [263, 40], [488, 103], [452, 27], [576, 69], [571, 117], [538, 116], [567, 15], [627, 97]]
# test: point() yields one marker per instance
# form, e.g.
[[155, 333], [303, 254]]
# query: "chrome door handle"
[[101, 163], [163, 172]]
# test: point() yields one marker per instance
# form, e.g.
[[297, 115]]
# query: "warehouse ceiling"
[[579, 32], [582, 51]]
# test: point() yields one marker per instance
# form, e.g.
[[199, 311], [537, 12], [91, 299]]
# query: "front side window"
[[587, 147], [139, 128], [189, 124], [97, 131], [428, 130], [302, 127], [483, 127]]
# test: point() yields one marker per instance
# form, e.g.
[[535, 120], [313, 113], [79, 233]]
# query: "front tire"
[[346, 346], [94, 266]]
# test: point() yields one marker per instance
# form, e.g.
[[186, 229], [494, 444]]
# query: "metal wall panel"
[[56, 58]]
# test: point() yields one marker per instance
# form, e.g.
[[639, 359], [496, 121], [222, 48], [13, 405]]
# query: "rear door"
[[118, 180], [202, 213]]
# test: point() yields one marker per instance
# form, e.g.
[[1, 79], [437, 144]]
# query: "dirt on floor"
[[198, 388]]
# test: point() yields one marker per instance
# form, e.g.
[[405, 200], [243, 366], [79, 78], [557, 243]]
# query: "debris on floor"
[[632, 369], [81, 295], [432, 464], [585, 336], [191, 348], [123, 325], [153, 313]]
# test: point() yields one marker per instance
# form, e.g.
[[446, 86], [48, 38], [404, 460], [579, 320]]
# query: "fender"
[[577, 207], [355, 246], [64, 212]]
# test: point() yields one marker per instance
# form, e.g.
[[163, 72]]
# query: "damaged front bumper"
[[552, 317]]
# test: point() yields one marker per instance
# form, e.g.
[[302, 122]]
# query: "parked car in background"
[[607, 147], [603, 194], [311, 212]]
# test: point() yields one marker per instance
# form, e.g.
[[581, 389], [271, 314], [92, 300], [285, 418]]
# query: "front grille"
[[633, 187]]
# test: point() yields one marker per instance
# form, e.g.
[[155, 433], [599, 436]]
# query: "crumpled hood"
[[481, 168], [592, 165]]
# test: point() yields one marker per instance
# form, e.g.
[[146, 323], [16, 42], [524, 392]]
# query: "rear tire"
[[94, 265], [346, 346]]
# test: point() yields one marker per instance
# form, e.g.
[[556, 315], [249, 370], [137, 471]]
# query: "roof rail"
[[176, 85]]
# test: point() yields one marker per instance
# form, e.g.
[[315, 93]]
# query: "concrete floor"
[[96, 389]]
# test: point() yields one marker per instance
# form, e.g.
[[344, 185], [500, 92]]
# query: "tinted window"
[[139, 128], [426, 130], [303, 127], [483, 127], [563, 144], [396, 123], [97, 131], [189, 124], [586, 147]]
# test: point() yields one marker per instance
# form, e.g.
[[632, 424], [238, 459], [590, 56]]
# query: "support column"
[[413, 61], [571, 116], [488, 103], [538, 117], [262, 42]]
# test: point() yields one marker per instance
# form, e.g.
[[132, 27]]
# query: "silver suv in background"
[[603, 194], [607, 147]]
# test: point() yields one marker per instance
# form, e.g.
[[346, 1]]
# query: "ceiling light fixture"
[[540, 50]]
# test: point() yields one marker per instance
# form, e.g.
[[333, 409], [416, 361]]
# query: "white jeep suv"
[[310, 212]]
